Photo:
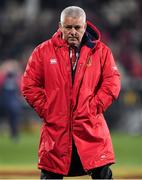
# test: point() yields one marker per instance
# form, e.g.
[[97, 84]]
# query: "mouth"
[[73, 41], [73, 38]]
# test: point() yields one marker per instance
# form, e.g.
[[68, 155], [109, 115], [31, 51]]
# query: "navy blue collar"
[[87, 40]]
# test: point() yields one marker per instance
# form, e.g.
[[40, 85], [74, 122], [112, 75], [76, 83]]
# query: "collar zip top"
[[74, 56]]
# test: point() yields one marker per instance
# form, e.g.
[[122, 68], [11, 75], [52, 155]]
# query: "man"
[[70, 80], [10, 96]]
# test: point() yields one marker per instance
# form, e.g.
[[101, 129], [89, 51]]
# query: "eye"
[[68, 27], [77, 27]]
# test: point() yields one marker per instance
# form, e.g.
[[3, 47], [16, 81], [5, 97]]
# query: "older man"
[[70, 80]]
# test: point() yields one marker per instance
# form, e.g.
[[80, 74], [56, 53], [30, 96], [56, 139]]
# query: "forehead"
[[73, 20]]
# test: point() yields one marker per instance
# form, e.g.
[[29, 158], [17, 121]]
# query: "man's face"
[[73, 30]]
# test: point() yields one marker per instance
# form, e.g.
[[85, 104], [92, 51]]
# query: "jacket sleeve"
[[32, 85], [109, 87]]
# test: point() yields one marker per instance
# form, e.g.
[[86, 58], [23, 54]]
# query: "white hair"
[[72, 11]]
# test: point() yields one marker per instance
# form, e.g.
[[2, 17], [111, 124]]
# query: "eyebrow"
[[71, 26]]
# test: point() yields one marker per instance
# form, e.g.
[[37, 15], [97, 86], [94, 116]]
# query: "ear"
[[85, 26], [60, 26]]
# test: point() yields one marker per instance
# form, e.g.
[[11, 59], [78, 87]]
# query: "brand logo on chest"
[[53, 61], [89, 61]]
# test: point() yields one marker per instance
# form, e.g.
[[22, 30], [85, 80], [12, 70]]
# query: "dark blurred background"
[[26, 23]]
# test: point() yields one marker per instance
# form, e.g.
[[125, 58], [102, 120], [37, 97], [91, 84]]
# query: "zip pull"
[[74, 56]]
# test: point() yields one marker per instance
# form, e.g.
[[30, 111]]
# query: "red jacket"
[[72, 111]]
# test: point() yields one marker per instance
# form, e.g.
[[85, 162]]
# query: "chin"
[[73, 44]]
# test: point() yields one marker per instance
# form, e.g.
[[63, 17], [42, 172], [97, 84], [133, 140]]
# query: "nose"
[[73, 31]]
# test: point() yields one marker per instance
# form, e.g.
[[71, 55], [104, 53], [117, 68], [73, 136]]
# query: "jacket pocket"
[[46, 142], [92, 107], [95, 107]]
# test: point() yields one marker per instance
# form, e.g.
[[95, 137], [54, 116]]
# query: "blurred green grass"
[[128, 149], [22, 155], [21, 152]]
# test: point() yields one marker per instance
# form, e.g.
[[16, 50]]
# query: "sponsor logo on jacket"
[[53, 61]]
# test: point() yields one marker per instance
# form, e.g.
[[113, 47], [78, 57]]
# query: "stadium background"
[[26, 23]]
